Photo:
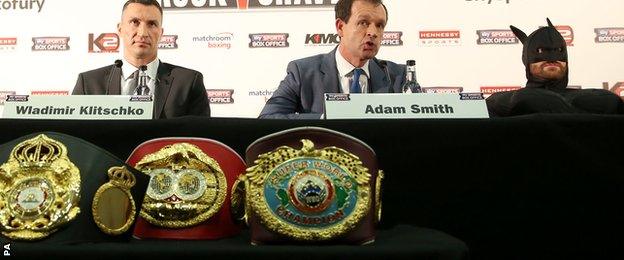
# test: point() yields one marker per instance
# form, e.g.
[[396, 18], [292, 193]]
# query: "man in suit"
[[177, 91], [350, 68]]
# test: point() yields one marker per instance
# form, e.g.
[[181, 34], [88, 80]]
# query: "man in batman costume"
[[545, 57]]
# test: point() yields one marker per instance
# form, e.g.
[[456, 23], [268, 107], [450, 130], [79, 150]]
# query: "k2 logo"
[[105, 43]]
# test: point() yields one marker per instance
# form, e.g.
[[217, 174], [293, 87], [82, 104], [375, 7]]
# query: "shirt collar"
[[344, 67], [152, 69]]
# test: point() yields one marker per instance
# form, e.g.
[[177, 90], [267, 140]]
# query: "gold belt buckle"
[[39, 189], [186, 187]]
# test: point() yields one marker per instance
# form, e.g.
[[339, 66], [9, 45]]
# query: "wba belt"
[[310, 185], [188, 194], [57, 188]]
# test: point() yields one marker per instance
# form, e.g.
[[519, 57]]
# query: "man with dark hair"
[[349, 68], [545, 57], [140, 30]]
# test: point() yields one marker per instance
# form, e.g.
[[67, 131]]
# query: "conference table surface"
[[527, 187]]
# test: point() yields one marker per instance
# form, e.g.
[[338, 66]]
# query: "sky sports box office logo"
[[172, 5], [392, 39], [496, 37], [220, 96], [609, 35], [50, 43], [268, 40], [168, 42]]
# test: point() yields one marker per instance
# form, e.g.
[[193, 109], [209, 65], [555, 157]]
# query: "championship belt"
[[188, 193], [51, 181], [309, 185]]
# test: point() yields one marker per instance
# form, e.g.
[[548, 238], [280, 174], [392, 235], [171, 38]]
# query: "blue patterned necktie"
[[355, 84]]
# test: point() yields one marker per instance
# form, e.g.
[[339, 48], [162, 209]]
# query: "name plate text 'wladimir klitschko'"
[[79, 107]]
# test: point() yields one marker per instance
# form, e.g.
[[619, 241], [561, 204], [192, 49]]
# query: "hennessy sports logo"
[[50, 43], [606, 35], [168, 42], [8, 44], [242, 4], [440, 38], [494, 37], [268, 40], [220, 96], [489, 90], [392, 39], [321, 39], [104, 43]]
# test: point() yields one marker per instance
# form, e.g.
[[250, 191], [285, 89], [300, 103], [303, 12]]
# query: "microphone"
[[384, 66], [143, 89], [116, 65]]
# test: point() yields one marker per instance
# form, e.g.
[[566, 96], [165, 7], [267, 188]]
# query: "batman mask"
[[544, 44]]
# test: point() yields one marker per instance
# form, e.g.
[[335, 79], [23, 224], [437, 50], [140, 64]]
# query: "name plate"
[[421, 105], [90, 107]]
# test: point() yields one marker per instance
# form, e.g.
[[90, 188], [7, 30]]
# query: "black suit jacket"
[[179, 91], [301, 94]]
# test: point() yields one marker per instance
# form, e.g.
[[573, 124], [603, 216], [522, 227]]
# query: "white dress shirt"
[[345, 74]]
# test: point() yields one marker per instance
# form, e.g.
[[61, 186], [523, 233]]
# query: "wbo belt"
[[188, 193], [57, 188], [309, 185]]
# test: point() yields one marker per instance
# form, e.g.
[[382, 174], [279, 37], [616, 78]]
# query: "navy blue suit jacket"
[[300, 95]]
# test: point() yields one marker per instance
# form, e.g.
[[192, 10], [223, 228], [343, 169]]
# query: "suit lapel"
[[379, 82], [163, 86], [329, 72]]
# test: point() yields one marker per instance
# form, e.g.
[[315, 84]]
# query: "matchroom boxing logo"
[[496, 37], [607, 35], [392, 39], [440, 38], [221, 40], [50, 43], [168, 42], [169, 5], [268, 40], [104, 43]]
